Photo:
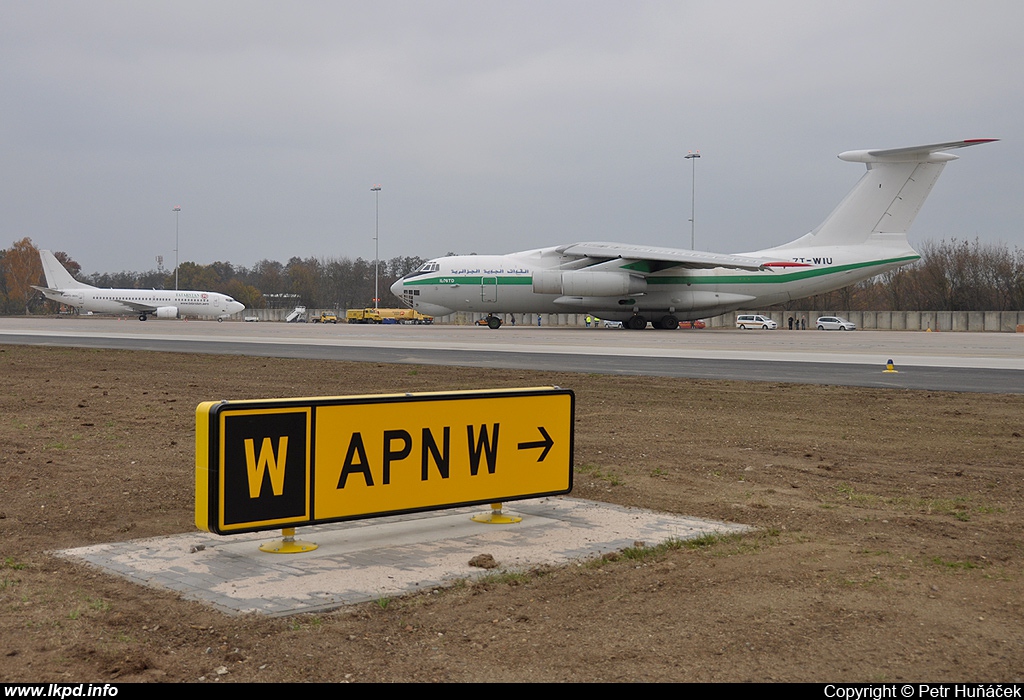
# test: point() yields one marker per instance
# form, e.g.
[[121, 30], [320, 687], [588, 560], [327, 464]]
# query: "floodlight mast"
[[376, 245], [692, 156], [176, 210]]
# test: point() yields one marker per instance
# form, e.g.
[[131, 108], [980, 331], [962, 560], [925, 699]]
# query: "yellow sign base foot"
[[496, 517], [288, 544]]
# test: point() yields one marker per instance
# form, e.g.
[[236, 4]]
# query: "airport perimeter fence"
[[957, 321]]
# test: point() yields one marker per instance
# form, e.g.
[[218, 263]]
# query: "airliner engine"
[[583, 283], [167, 312]]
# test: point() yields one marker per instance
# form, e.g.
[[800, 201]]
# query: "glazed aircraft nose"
[[424, 307]]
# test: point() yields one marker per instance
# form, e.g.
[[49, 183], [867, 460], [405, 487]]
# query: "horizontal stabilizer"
[[911, 154]]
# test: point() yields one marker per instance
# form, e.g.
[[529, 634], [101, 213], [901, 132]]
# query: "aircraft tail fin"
[[56, 276], [885, 201]]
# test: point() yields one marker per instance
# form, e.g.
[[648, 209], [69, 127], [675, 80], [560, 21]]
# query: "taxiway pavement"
[[972, 362]]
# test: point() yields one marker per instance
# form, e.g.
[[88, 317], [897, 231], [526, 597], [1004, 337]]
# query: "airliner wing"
[[694, 259], [137, 307]]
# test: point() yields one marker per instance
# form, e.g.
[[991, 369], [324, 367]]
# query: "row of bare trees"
[[950, 276], [330, 283]]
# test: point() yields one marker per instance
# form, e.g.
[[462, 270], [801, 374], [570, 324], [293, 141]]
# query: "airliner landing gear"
[[493, 322], [636, 323], [668, 322], [142, 317]]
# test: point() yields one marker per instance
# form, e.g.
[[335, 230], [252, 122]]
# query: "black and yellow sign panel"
[[287, 462]]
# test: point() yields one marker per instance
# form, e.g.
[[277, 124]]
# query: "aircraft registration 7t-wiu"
[[864, 236], [162, 303]]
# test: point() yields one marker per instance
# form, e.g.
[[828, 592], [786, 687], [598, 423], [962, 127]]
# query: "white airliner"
[[636, 284], [162, 303]]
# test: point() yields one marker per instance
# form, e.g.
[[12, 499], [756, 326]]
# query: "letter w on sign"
[[267, 461]]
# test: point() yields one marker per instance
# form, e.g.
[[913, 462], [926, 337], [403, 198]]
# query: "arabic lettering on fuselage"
[[497, 271]]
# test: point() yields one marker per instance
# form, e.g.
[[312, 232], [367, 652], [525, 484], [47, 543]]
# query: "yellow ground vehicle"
[[362, 316], [387, 316], [325, 317]]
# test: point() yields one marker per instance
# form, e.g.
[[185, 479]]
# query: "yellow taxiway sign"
[[285, 462]]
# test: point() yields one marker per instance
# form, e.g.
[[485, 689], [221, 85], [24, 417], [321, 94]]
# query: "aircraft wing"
[[137, 307], [678, 257]]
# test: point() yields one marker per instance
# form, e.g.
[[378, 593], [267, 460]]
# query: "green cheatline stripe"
[[471, 280], [777, 277], [755, 278]]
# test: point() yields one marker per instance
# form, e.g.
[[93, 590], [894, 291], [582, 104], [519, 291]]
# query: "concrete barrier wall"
[[955, 321]]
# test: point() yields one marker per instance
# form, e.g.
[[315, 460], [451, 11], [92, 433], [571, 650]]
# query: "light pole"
[[692, 156], [176, 210], [376, 243]]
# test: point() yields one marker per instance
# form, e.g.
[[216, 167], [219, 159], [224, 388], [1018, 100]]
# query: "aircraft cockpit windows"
[[429, 267]]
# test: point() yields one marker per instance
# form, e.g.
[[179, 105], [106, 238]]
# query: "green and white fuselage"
[[864, 236]]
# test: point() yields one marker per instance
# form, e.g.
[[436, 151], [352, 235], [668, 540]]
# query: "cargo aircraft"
[[162, 303], [864, 236]]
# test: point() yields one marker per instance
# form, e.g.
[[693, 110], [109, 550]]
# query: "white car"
[[745, 321], [834, 323]]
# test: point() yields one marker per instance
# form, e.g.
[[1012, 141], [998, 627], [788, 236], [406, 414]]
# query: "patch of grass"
[[955, 565], [957, 507], [9, 563], [383, 602], [703, 542], [596, 473], [847, 492], [708, 539], [645, 552]]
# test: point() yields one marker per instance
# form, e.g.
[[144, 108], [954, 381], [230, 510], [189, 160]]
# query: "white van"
[[745, 321]]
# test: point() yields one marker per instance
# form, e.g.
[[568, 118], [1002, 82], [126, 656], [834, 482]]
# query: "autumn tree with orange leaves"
[[20, 268]]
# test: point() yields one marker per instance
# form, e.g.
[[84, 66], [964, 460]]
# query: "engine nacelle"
[[167, 312], [584, 283]]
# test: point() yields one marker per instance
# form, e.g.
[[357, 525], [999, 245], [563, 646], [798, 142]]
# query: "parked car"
[[692, 324], [834, 323], [745, 321], [612, 324]]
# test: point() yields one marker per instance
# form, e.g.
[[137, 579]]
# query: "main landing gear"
[[493, 322], [666, 322]]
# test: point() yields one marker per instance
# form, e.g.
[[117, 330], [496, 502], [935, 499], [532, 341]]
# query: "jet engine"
[[584, 283], [167, 312]]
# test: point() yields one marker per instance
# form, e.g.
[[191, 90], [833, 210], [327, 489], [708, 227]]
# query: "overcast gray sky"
[[492, 126]]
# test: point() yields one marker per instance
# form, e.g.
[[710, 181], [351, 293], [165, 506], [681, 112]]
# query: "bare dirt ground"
[[889, 542]]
